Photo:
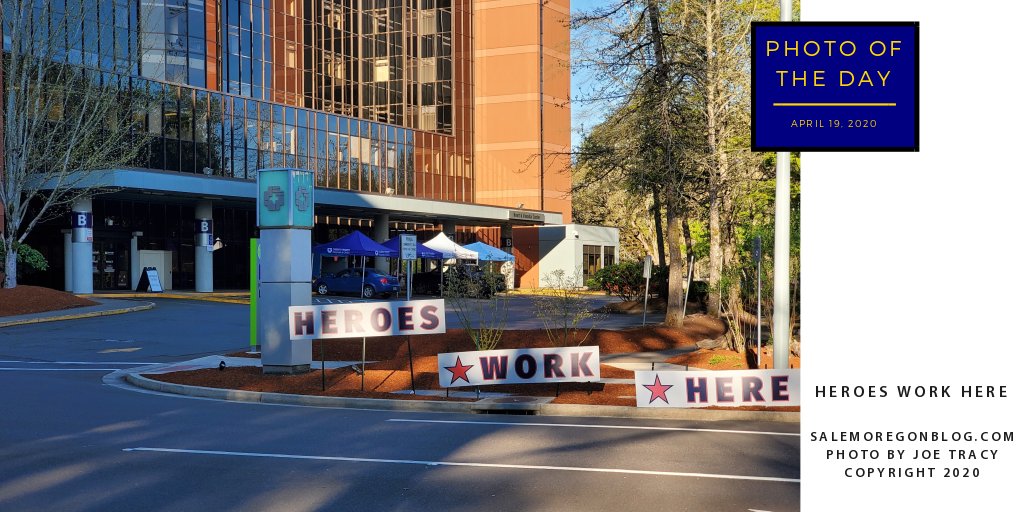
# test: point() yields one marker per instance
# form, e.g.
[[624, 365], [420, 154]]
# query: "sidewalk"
[[229, 296], [105, 307]]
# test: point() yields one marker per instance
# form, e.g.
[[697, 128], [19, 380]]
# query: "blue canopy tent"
[[422, 251], [489, 253], [354, 244]]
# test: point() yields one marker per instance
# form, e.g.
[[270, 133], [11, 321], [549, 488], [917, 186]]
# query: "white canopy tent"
[[450, 249]]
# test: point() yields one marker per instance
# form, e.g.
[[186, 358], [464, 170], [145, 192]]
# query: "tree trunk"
[[10, 265], [715, 252], [676, 278], [659, 232]]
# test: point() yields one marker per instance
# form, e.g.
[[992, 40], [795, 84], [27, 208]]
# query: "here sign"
[[719, 388], [366, 319]]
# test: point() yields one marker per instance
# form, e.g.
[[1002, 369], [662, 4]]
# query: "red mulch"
[[391, 371], [24, 300]]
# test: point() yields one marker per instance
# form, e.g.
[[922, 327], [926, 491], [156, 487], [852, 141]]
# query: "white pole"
[[408, 279], [780, 315]]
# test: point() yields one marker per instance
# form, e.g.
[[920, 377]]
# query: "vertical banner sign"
[[842, 86], [81, 226], [254, 290], [204, 232]]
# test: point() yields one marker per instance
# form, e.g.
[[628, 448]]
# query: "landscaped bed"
[[389, 373], [24, 300]]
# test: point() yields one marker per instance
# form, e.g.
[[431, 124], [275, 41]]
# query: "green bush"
[[624, 280], [29, 259]]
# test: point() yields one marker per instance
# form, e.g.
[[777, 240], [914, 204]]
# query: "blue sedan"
[[350, 281]]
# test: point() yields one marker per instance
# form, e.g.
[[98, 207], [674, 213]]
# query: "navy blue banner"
[[834, 86]]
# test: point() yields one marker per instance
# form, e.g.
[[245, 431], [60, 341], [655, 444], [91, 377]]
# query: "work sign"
[[366, 319], [519, 366], [819, 86], [717, 388]]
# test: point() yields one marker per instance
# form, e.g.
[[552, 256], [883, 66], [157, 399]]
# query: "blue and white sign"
[[204, 232], [284, 198], [81, 227], [819, 86]]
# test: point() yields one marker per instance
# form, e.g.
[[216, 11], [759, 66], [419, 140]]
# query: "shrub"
[[29, 260], [626, 280]]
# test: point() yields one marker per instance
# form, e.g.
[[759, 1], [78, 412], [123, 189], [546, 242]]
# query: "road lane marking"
[[577, 425], [77, 362], [463, 464], [60, 369]]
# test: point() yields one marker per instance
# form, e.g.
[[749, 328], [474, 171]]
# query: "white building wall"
[[562, 247]]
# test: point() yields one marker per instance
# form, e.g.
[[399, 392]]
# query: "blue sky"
[[582, 120]]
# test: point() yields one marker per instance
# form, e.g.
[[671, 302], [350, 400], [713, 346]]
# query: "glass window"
[[591, 260]]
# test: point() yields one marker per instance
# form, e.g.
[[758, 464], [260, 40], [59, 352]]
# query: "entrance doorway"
[[111, 265]]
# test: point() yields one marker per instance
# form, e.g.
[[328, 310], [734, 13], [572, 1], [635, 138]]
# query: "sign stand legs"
[[412, 376], [362, 374], [323, 369]]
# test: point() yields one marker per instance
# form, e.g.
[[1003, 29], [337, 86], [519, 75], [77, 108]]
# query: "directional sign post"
[[284, 215], [408, 254]]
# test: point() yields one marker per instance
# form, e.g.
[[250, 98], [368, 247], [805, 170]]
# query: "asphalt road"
[[70, 441]]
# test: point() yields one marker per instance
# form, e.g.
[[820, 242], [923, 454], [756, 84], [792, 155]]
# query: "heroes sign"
[[366, 319]]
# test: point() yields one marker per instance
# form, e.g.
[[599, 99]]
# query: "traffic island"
[[387, 377]]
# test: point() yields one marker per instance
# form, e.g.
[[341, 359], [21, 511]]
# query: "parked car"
[[350, 281]]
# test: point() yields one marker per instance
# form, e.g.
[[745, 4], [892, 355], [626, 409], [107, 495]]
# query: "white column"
[[508, 269], [68, 261], [204, 241], [780, 313], [81, 246], [380, 235]]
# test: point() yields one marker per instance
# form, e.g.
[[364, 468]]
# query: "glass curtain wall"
[[373, 95]]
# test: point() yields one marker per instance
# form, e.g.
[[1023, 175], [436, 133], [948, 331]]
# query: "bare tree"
[[68, 112]]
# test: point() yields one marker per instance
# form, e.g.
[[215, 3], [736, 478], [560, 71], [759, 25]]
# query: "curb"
[[76, 316], [181, 296], [610, 411]]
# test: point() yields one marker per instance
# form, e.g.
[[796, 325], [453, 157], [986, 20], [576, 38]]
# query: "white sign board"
[[519, 366], [723, 389], [647, 266], [408, 247], [366, 319]]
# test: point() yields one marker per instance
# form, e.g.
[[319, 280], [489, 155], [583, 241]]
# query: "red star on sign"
[[658, 389], [459, 371]]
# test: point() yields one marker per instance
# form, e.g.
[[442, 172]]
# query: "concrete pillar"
[[204, 242], [135, 265], [284, 281], [380, 235], [68, 261], [81, 246], [508, 269]]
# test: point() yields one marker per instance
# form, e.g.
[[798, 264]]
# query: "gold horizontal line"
[[833, 104]]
